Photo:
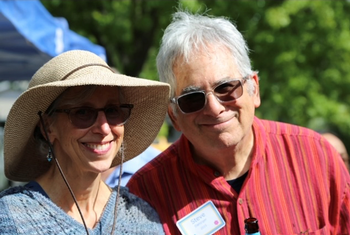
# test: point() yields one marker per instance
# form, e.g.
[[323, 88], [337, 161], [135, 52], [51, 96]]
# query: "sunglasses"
[[196, 100], [84, 117]]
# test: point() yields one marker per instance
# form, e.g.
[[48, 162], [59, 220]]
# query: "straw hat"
[[23, 161]]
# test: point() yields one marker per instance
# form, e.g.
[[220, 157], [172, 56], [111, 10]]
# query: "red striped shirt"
[[297, 183]]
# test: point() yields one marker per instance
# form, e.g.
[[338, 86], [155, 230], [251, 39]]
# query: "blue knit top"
[[27, 211]]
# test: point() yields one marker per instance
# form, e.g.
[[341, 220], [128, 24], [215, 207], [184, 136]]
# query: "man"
[[229, 165]]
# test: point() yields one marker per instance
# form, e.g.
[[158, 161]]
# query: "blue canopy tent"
[[30, 36]]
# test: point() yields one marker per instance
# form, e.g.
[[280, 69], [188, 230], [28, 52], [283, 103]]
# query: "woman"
[[76, 120]]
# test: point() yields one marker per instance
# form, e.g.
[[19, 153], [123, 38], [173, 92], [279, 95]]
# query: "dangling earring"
[[49, 155]]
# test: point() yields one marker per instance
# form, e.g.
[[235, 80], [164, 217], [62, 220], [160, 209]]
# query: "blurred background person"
[[339, 146], [111, 176]]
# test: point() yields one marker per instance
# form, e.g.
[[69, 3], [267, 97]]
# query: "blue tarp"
[[30, 36]]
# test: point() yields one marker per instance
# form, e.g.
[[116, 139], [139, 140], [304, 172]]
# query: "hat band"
[[84, 66]]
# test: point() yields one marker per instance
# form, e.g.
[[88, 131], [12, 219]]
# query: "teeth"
[[98, 146]]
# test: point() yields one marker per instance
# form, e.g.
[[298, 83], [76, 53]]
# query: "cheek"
[[68, 136], [187, 122], [118, 132], [59, 132]]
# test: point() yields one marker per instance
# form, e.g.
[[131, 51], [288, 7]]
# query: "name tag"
[[205, 220]]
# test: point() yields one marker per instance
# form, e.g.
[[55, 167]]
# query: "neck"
[[91, 198]]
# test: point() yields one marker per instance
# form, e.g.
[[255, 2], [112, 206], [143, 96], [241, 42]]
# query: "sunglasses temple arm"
[[60, 170]]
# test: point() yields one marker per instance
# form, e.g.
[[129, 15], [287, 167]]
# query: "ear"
[[47, 128], [256, 97], [173, 117]]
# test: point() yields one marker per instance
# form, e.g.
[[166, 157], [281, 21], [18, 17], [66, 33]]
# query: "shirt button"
[[240, 201]]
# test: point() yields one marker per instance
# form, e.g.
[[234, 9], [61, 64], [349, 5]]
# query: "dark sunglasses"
[[84, 117], [196, 100]]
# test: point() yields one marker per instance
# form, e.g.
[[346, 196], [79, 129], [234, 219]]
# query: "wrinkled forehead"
[[205, 68]]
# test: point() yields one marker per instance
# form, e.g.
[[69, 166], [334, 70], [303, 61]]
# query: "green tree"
[[128, 29], [302, 52], [300, 48]]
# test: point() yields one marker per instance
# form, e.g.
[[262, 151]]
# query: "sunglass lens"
[[191, 102], [117, 115], [229, 91], [83, 117]]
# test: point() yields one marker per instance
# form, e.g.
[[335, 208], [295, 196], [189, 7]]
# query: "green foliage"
[[308, 58], [300, 48], [128, 29]]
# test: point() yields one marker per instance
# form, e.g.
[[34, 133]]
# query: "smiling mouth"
[[222, 123], [99, 147]]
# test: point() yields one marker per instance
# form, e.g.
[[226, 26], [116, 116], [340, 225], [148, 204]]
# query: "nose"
[[101, 124], [213, 106]]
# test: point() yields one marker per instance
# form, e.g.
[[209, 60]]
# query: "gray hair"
[[188, 33]]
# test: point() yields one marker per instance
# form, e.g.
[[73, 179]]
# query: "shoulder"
[[21, 199], [164, 160], [282, 128], [273, 132], [304, 145], [14, 193], [135, 212], [288, 140], [294, 136], [20, 207], [131, 204]]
